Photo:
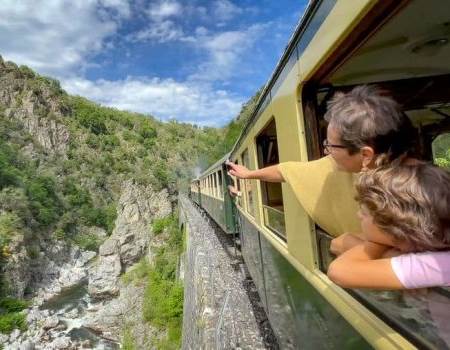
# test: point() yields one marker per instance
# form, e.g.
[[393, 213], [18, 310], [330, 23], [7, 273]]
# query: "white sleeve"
[[421, 270]]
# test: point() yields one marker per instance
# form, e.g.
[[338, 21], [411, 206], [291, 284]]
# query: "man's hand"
[[269, 174], [240, 171]]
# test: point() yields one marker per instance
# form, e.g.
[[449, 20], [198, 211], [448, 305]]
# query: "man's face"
[[345, 161]]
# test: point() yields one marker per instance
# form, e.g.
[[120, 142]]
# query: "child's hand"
[[344, 242]]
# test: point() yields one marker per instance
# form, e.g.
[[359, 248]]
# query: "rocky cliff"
[[80, 185]]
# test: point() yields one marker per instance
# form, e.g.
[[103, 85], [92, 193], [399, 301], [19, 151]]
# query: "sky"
[[194, 61]]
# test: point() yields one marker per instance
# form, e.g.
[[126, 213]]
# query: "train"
[[401, 46]]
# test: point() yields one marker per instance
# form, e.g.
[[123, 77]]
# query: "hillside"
[[75, 177]]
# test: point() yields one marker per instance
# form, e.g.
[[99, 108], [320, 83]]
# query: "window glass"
[[215, 185], [248, 186], [219, 175], [441, 150], [238, 185], [313, 26], [419, 315], [272, 197], [208, 185]]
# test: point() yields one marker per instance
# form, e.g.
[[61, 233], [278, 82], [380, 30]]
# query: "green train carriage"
[[403, 46], [215, 198]]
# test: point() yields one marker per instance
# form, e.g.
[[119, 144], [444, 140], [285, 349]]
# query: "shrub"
[[87, 241], [147, 131], [10, 225], [163, 298], [109, 142], [158, 225], [11, 321], [45, 205], [13, 305], [137, 273], [27, 72]]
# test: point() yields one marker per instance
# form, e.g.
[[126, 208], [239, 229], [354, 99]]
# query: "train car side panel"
[[300, 315]]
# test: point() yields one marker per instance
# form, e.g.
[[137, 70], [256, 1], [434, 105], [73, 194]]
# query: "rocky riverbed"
[[79, 300]]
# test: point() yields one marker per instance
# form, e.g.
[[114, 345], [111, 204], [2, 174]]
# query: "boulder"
[[50, 322], [104, 277], [109, 247], [60, 343]]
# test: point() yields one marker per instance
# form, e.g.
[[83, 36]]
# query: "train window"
[[238, 185], [441, 150], [219, 175], [272, 197], [215, 185], [248, 186]]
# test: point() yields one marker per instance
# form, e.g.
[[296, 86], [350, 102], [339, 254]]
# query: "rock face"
[[137, 207], [36, 108]]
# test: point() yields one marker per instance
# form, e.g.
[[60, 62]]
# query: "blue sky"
[[195, 61]]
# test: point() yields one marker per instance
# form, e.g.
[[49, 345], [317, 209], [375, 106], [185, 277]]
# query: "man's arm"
[[269, 174], [363, 267]]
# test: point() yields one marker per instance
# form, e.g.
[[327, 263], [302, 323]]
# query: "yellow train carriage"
[[403, 46]]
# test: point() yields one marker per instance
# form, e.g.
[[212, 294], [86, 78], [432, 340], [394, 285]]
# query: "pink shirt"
[[421, 270]]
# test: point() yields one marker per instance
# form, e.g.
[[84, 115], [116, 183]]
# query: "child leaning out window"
[[405, 221]]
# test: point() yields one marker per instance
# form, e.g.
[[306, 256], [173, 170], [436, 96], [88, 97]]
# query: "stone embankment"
[[221, 307]]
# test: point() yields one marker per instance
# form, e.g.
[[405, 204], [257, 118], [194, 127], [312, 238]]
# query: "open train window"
[[441, 150], [272, 197], [408, 57], [248, 186]]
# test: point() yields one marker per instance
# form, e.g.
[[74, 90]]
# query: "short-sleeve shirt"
[[422, 270], [326, 194]]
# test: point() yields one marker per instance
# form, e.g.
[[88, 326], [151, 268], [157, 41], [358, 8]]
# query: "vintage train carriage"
[[214, 196], [403, 46]]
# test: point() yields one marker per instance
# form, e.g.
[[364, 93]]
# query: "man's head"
[[366, 124], [408, 204]]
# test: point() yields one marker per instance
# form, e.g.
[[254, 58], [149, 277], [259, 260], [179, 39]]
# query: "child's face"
[[373, 233]]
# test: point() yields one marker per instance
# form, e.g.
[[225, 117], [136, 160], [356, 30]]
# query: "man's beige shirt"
[[326, 194]]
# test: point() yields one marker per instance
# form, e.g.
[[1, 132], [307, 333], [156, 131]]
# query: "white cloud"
[[159, 31], [166, 99], [55, 37], [224, 10], [164, 9], [225, 51]]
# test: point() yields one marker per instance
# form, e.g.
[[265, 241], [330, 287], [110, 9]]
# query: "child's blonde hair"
[[409, 202]]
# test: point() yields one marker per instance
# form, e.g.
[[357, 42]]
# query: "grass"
[[137, 273], [11, 315], [163, 298], [127, 340]]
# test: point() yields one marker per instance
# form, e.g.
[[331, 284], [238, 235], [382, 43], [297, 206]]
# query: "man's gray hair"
[[367, 117]]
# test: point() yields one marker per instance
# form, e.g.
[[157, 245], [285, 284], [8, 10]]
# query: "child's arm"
[[344, 242], [363, 267]]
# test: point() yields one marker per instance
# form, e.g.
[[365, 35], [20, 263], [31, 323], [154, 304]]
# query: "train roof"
[[303, 23]]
